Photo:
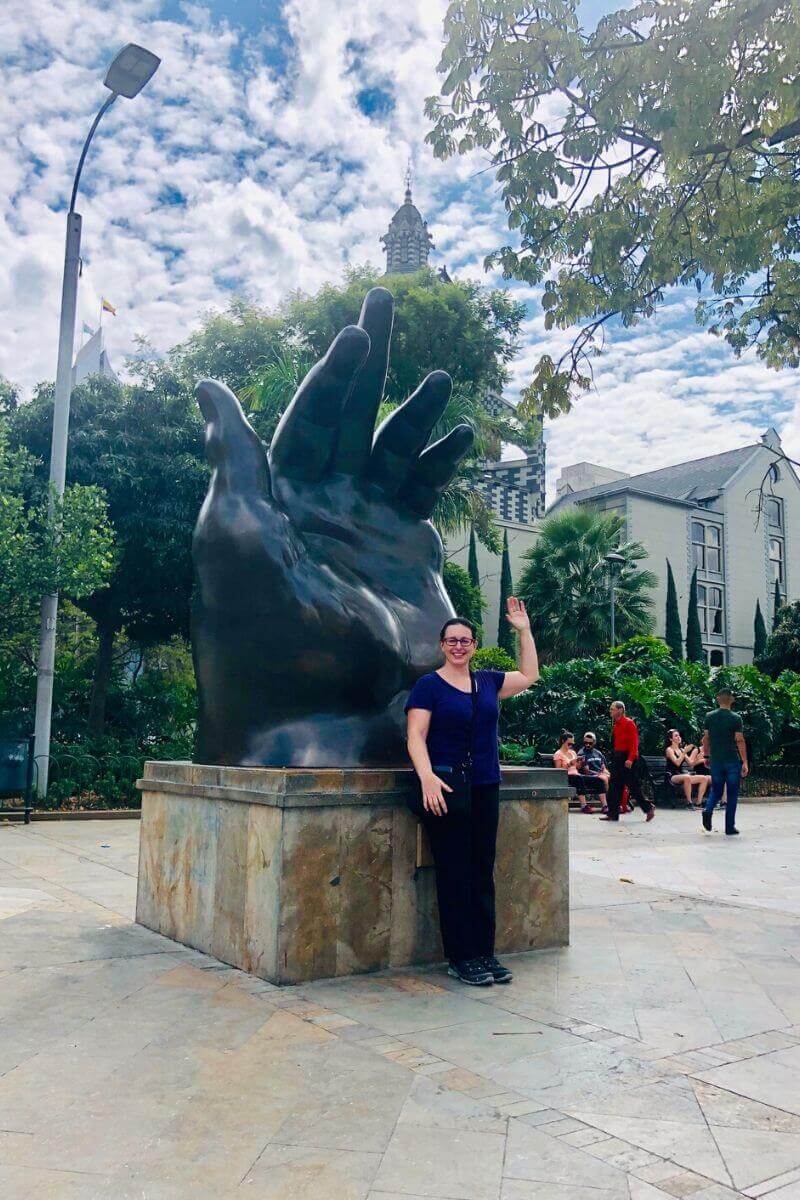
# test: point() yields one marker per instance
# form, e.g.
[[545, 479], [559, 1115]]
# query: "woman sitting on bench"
[[566, 758], [680, 771]]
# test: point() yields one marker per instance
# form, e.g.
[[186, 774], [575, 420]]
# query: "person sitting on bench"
[[680, 772], [566, 758]]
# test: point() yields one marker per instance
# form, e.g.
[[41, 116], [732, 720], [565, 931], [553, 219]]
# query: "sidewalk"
[[657, 1056]]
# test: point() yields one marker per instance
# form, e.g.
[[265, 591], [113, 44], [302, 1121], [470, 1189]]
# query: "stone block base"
[[295, 875]]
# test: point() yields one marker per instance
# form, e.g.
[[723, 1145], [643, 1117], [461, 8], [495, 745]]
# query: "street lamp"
[[126, 76], [615, 562]]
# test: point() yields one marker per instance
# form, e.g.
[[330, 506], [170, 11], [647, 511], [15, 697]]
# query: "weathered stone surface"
[[297, 875]]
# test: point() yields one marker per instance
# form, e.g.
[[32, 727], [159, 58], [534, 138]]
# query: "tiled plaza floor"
[[657, 1056]]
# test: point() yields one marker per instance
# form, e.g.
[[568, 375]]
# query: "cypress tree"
[[673, 635], [694, 638], [759, 634], [505, 634], [472, 561], [777, 605]]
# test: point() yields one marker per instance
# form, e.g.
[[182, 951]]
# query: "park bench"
[[16, 776]]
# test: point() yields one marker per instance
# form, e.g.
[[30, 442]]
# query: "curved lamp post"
[[615, 562], [132, 68]]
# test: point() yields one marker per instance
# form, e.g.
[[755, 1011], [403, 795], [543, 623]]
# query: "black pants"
[[463, 851], [622, 776]]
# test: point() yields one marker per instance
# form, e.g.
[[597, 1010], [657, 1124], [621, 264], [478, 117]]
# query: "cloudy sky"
[[266, 154]]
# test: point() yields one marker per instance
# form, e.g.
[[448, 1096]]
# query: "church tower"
[[407, 242]]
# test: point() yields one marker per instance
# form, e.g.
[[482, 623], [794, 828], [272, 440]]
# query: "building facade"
[[734, 516]]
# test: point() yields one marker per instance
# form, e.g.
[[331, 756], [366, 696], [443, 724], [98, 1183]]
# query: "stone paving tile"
[[532, 1154], [451, 1163], [301, 1173]]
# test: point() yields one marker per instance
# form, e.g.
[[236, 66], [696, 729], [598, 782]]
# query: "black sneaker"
[[471, 970], [731, 832], [499, 973], [707, 821]]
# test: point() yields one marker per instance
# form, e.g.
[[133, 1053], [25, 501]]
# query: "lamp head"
[[131, 69], [614, 561]]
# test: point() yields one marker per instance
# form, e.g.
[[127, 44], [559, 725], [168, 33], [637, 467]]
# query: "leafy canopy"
[[782, 651], [70, 552], [660, 148], [566, 589]]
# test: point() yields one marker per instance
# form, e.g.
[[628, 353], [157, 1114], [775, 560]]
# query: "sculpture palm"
[[319, 594]]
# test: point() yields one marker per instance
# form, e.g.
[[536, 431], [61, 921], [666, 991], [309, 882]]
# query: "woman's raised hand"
[[516, 615]]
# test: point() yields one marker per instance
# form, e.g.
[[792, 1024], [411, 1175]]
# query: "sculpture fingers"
[[405, 432], [233, 448], [303, 444], [434, 470], [357, 426]]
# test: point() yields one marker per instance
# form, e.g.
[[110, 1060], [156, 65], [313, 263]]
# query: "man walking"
[[725, 751], [623, 765]]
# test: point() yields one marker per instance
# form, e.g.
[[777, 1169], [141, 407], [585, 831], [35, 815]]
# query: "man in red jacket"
[[623, 762]]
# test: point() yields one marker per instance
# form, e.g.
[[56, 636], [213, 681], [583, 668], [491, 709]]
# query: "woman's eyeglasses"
[[459, 641]]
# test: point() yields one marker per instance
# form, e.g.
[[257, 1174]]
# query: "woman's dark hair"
[[566, 736], [668, 742], [458, 621]]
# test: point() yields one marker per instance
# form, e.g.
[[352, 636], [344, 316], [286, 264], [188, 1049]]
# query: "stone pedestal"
[[295, 875]]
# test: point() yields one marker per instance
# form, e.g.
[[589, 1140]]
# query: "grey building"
[[734, 516], [92, 359], [407, 241]]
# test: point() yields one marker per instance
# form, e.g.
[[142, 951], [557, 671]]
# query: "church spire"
[[407, 241]]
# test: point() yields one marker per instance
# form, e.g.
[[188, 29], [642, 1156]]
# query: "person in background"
[[623, 765], [680, 770], [566, 758], [592, 762], [726, 752]]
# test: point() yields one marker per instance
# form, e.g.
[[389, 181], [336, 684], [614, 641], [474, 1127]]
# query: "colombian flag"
[[108, 307]]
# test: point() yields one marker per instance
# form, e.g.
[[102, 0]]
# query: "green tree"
[[506, 638], [777, 604], [472, 561], [759, 634], [142, 446], [232, 346], [565, 584], [694, 638], [464, 596], [660, 148], [782, 649], [673, 633], [71, 553]]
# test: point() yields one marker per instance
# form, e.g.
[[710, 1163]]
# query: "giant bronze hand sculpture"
[[319, 591]]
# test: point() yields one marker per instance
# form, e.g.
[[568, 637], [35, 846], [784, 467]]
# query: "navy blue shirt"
[[451, 715]]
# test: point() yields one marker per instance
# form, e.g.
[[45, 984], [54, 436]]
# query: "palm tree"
[[565, 584]]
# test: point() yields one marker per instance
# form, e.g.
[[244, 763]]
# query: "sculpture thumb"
[[232, 445]]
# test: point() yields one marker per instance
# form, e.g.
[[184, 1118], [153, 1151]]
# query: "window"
[[707, 547], [709, 609], [716, 658], [774, 513], [776, 561]]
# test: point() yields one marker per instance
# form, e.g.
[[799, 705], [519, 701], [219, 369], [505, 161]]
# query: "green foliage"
[[70, 552], [464, 596], [777, 602], [673, 634], [565, 584], [782, 648], [659, 693], [506, 639], [660, 148], [472, 561], [694, 638], [760, 637], [232, 346], [493, 658]]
